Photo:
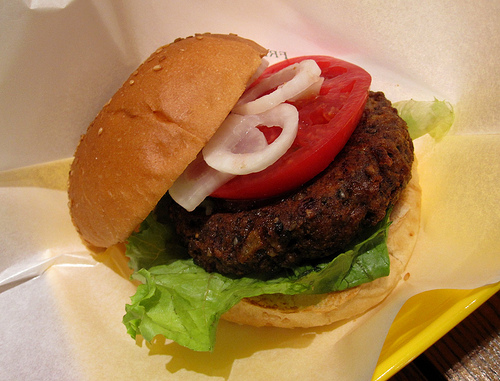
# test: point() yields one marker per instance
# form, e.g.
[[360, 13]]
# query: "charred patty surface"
[[317, 220]]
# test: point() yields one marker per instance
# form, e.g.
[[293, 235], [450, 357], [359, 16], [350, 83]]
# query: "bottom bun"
[[294, 311]]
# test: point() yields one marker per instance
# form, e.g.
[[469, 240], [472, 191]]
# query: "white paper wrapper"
[[62, 60]]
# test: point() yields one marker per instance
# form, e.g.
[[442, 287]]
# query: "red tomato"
[[325, 124]]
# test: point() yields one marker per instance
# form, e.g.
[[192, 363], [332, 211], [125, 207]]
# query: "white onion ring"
[[221, 152], [196, 183], [199, 180], [290, 82]]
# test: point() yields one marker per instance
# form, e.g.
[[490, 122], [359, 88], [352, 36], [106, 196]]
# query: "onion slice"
[[289, 82], [238, 147], [227, 152], [196, 183]]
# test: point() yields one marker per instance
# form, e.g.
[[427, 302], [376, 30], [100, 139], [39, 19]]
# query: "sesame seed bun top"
[[152, 128]]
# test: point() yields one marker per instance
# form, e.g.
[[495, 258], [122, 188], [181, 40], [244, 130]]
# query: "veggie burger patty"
[[319, 219]]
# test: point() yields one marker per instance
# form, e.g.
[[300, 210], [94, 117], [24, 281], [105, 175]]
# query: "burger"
[[282, 196]]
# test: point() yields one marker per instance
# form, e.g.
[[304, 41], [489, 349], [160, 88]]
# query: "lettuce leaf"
[[184, 303], [426, 117]]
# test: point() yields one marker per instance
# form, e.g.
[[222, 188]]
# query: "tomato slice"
[[325, 124]]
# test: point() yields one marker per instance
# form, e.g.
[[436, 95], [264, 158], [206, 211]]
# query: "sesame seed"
[[199, 37], [159, 50], [157, 67], [99, 132], [131, 82], [135, 72], [162, 58]]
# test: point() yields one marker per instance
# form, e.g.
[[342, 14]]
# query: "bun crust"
[[305, 311], [152, 128]]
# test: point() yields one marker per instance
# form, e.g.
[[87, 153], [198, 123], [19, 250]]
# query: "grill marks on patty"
[[317, 220]]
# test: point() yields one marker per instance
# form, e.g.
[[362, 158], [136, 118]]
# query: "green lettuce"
[[182, 302], [426, 117]]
